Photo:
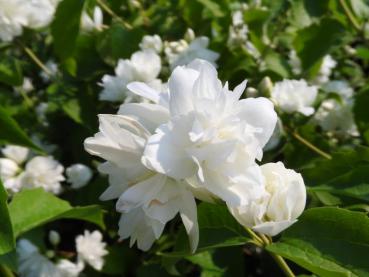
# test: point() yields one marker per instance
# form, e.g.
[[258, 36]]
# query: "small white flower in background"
[[294, 96], [91, 249], [325, 70], [53, 68], [9, 174], [151, 42], [16, 14], [16, 153], [26, 86], [78, 175], [33, 264], [211, 134], [143, 66], [41, 111], [294, 62], [279, 207], [67, 268], [10, 170], [341, 87], [35, 8], [183, 52], [89, 24], [44, 172]]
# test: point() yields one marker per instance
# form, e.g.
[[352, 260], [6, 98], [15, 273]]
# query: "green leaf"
[[117, 42], [217, 228], [306, 12], [7, 242], [330, 242], [213, 6], [32, 208], [276, 63], [314, 42], [65, 27], [10, 71], [12, 133], [208, 267]]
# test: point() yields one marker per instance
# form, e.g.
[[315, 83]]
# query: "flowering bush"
[[192, 138]]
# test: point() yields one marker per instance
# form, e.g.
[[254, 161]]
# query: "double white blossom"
[[335, 115], [43, 172], [211, 134], [78, 175], [295, 96], [147, 200], [283, 201], [91, 249], [143, 66], [16, 14]]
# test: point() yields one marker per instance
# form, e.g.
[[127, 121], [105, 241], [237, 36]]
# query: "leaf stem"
[[311, 146], [109, 11], [35, 59], [350, 15], [282, 264], [262, 241]]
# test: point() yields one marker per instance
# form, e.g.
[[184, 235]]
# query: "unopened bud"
[[54, 237], [266, 86]]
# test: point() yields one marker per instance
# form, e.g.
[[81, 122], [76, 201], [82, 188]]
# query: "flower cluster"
[[21, 169], [147, 64], [195, 140], [89, 247]]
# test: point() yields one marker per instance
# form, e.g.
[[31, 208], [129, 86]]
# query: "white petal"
[[273, 228], [258, 112], [149, 115]]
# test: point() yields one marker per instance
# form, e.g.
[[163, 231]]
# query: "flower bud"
[[54, 237]]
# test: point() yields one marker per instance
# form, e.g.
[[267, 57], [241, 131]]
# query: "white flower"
[[32, 263], [279, 207], [211, 133], [78, 175], [197, 49], [36, 8], [44, 172], [342, 88], [12, 19], [152, 42], [334, 116], [53, 69], [89, 24], [294, 62], [325, 70], [16, 153], [143, 66], [9, 171], [147, 200], [91, 249], [67, 268], [26, 86], [294, 96]]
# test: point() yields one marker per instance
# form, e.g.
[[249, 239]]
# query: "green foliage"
[[328, 242], [6, 230], [10, 71], [12, 133], [32, 208]]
